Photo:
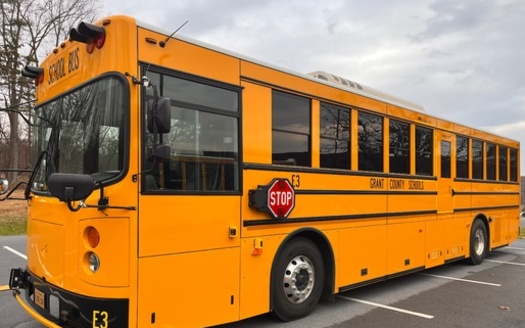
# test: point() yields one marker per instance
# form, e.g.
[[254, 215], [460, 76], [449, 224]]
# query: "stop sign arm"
[[276, 198]]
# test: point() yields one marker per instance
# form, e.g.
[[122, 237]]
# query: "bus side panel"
[[410, 203], [504, 221], [257, 127], [195, 289], [405, 246], [256, 267], [362, 254], [457, 234], [514, 224], [435, 242], [499, 228], [171, 224]]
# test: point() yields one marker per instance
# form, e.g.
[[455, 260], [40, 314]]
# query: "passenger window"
[[477, 159], [514, 165], [491, 161], [462, 157], [399, 153], [445, 159], [335, 137], [290, 129], [424, 153], [370, 140], [503, 160], [203, 140]]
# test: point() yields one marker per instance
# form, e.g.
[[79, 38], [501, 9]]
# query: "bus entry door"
[[445, 147]]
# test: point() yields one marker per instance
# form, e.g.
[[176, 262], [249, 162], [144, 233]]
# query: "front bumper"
[[56, 307]]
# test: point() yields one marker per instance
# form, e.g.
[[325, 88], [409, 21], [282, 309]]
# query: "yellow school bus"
[[177, 184]]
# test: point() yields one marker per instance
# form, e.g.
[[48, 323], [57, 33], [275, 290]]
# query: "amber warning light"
[[93, 236]]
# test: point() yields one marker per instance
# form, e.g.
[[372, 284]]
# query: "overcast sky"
[[463, 60]]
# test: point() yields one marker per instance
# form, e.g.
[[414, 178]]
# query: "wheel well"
[[321, 241]]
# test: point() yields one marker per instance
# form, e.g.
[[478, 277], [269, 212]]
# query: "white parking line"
[[16, 252], [504, 262], [459, 279], [417, 314]]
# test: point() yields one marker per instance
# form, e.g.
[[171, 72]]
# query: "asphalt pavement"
[[455, 295]]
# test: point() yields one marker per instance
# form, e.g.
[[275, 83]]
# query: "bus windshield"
[[82, 132]]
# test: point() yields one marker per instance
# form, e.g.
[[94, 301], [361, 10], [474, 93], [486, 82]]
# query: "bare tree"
[[30, 30]]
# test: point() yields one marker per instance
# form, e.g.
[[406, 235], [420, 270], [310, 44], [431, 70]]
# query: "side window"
[[503, 160], [424, 154], [445, 159], [399, 147], [514, 165], [461, 157], [290, 129], [335, 137], [491, 161], [203, 141], [477, 159], [370, 140]]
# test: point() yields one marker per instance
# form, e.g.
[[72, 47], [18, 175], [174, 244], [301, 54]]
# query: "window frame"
[[291, 133], [235, 114], [329, 160], [503, 163], [490, 164], [425, 167], [408, 146], [362, 140], [462, 157], [477, 164]]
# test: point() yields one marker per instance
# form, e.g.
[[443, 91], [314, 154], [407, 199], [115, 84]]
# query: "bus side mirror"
[[70, 187], [4, 185], [159, 115]]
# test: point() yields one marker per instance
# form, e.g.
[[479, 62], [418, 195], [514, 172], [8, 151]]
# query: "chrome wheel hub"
[[299, 279], [479, 243]]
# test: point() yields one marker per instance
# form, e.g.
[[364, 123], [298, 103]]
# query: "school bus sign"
[[276, 198]]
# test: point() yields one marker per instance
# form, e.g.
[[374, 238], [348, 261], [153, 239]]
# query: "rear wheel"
[[478, 242], [297, 280]]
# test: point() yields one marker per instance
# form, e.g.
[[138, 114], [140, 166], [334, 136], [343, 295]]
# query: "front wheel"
[[297, 280], [478, 242]]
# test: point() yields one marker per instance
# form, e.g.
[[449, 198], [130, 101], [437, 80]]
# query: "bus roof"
[[317, 76]]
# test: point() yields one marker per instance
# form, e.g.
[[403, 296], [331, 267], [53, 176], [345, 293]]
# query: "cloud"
[[461, 59]]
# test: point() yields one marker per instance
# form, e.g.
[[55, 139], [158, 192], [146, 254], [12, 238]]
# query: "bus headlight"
[[94, 262]]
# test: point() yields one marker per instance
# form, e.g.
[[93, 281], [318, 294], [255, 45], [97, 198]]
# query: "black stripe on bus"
[[362, 192], [302, 169], [486, 208], [459, 180], [474, 193], [251, 223]]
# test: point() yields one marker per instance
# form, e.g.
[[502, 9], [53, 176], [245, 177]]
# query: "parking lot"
[[454, 295]]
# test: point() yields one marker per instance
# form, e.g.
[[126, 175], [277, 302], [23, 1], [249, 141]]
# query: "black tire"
[[478, 242], [297, 280]]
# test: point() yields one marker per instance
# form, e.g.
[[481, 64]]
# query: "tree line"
[[30, 30]]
